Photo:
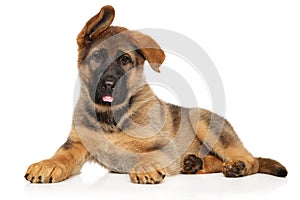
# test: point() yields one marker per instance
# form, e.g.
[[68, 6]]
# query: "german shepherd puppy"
[[120, 123]]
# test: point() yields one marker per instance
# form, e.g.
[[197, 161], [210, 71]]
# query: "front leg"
[[66, 162]]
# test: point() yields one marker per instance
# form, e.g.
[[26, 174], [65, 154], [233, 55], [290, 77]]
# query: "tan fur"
[[150, 138]]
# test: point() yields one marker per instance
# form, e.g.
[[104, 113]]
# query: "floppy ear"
[[150, 49], [95, 26]]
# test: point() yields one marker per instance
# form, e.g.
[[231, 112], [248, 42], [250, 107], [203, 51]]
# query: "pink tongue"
[[107, 98]]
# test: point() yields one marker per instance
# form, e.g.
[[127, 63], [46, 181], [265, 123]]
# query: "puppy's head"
[[111, 59]]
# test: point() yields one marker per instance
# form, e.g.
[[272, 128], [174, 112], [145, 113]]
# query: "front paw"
[[147, 173], [46, 171]]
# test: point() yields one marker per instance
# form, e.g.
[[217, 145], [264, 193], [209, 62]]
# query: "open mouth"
[[107, 98]]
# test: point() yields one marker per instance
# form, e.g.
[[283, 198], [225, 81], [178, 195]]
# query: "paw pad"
[[234, 169], [191, 164]]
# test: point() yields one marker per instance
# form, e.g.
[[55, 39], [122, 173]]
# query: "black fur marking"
[[112, 118], [109, 118], [131, 101], [219, 127], [119, 114], [92, 117], [106, 118], [98, 88], [226, 140], [175, 112], [67, 145], [282, 173]]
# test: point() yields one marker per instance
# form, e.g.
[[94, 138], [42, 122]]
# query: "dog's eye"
[[97, 56], [125, 59]]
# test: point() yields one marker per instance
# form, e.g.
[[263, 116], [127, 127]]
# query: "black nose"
[[108, 84]]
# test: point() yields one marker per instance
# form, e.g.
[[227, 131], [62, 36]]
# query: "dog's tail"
[[272, 167]]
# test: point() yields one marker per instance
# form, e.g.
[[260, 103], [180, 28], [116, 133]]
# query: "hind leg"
[[219, 137]]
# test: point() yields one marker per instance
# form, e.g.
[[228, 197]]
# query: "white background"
[[255, 46]]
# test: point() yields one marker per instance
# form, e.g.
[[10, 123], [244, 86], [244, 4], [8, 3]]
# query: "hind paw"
[[234, 169], [191, 164]]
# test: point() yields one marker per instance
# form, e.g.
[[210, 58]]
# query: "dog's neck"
[[117, 117]]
